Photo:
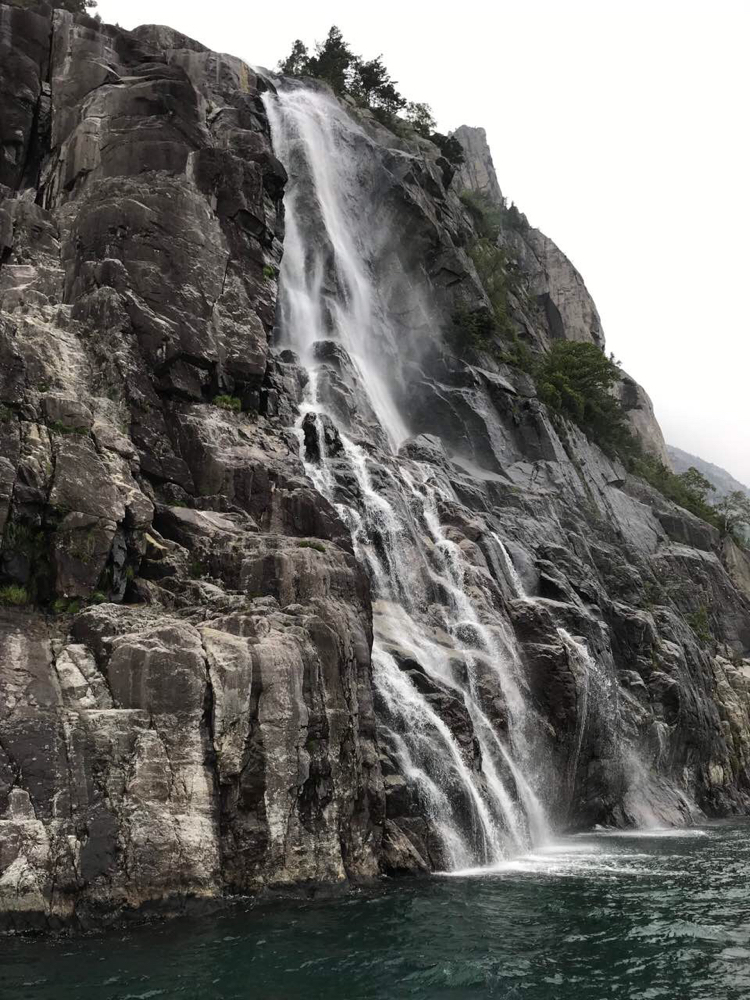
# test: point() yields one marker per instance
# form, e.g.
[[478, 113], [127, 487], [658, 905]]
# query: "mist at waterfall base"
[[631, 916]]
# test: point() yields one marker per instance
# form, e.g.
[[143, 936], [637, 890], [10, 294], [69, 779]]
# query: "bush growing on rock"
[[228, 403], [13, 596], [307, 544], [699, 623], [490, 218], [689, 490], [577, 379], [476, 329]]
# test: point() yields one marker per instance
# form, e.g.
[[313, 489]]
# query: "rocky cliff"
[[198, 696]]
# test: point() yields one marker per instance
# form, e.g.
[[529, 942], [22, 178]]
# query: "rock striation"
[[212, 728], [187, 704]]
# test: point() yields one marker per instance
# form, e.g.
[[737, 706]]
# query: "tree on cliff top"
[[369, 83], [333, 61]]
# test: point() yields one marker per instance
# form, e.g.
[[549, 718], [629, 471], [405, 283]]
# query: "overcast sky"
[[619, 128]]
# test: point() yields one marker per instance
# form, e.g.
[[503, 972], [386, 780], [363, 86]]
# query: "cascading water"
[[480, 806]]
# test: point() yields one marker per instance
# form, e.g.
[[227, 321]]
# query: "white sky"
[[619, 126]]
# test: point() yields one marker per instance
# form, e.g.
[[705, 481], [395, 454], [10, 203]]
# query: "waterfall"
[[327, 292], [439, 647]]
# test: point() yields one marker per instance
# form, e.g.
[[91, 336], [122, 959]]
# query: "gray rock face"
[[187, 705], [196, 738]]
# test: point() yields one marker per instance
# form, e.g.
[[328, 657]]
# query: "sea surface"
[[647, 915]]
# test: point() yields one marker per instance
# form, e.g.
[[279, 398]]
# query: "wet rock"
[[187, 698]]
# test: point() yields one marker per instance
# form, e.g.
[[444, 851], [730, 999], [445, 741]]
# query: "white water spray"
[[438, 646]]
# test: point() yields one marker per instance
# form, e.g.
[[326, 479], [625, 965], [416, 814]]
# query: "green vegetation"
[[269, 273], [24, 538], [493, 269], [699, 623], [66, 605], [577, 380], [491, 330], [370, 85], [475, 329], [491, 219], [688, 490], [306, 544], [13, 596], [58, 427], [228, 403]]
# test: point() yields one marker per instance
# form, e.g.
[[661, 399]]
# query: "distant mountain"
[[720, 478]]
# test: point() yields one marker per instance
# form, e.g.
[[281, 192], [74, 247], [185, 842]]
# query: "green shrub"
[[269, 272], [475, 329], [486, 215], [13, 596], [492, 266], [699, 623], [58, 427], [576, 379], [228, 403], [499, 277], [66, 605], [307, 544], [491, 218]]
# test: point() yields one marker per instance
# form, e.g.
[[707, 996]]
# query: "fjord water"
[[629, 916]]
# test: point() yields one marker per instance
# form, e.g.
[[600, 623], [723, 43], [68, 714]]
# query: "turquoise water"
[[661, 915]]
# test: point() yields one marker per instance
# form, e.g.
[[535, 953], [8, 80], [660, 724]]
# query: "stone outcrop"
[[186, 699], [477, 172]]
